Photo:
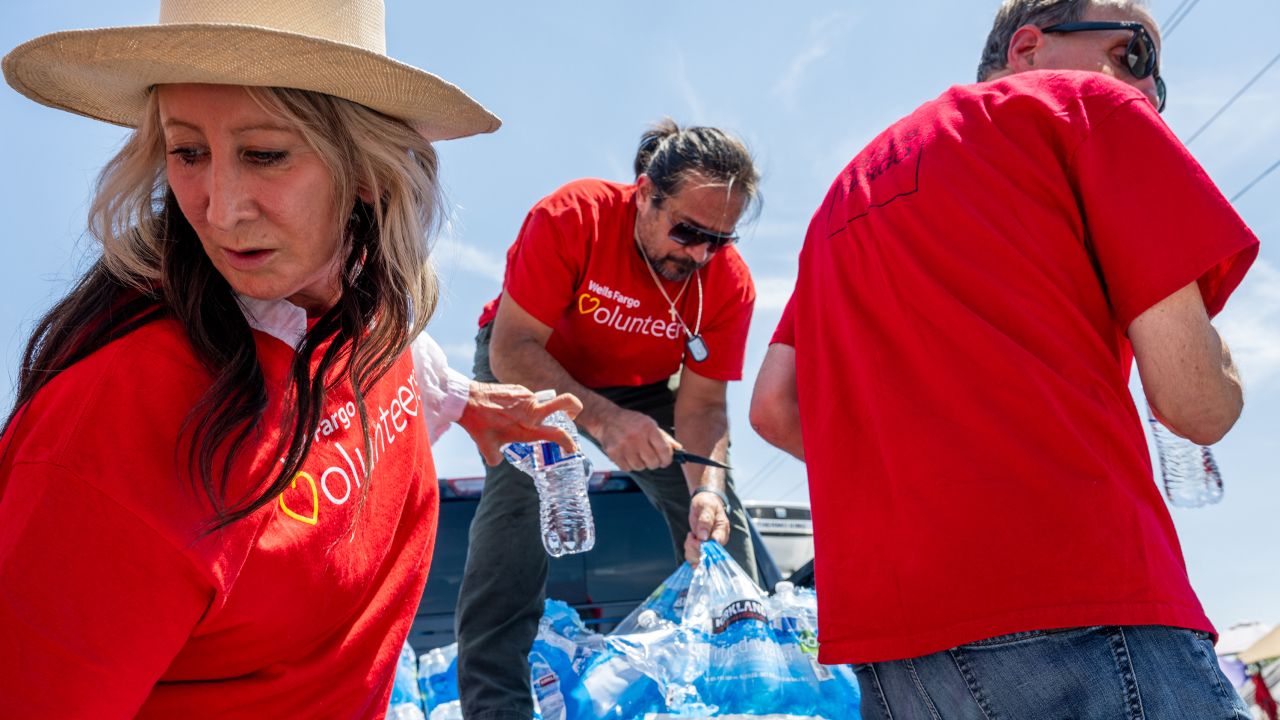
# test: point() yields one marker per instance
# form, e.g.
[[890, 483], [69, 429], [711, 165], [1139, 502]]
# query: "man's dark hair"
[[1013, 14], [669, 154]]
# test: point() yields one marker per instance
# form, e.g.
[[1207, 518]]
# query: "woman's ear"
[[364, 194]]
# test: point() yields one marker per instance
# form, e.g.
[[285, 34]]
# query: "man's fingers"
[[660, 449], [721, 533], [692, 549], [626, 461], [652, 459], [705, 524]]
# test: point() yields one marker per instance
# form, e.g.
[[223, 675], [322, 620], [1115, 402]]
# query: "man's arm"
[[1186, 369], [518, 354], [702, 427], [775, 404]]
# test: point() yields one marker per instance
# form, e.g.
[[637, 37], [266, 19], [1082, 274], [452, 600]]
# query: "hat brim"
[[107, 73]]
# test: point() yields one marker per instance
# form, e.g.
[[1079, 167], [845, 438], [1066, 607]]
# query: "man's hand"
[[499, 414], [634, 441], [707, 521]]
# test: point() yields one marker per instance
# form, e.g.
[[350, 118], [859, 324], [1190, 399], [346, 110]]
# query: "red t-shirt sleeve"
[[90, 619], [785, 334], [546, 261], [1155, 220]]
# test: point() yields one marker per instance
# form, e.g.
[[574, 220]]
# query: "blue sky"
[[806, 85]]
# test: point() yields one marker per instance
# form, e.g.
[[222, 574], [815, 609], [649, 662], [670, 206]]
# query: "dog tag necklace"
[[695, 345]]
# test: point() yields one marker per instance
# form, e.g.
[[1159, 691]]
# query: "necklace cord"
[[697, 328]]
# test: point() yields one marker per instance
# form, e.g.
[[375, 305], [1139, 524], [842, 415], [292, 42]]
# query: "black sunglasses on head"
[[692, 236], [1141, 55]]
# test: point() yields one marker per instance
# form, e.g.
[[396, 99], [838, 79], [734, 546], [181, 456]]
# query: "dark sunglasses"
[[1141, 55], [692, 236]]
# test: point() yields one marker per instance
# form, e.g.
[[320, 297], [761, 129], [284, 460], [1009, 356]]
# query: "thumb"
[[706, 519], [491, 454]]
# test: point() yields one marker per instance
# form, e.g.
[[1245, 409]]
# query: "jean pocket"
[[1029, 635], [1202, 635]]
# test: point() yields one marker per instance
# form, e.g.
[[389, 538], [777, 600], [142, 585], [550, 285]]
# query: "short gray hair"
[[1013, 14]]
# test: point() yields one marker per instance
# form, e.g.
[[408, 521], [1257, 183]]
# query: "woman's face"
[[258, 196]]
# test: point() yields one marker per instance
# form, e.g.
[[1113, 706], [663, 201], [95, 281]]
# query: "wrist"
[[596, 415], [712, 490]]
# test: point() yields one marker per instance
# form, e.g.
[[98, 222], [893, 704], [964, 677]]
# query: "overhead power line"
[[752, 485], [1175, 20], [1255, 181], [1235, 97], [801, 484], [1174, 15]]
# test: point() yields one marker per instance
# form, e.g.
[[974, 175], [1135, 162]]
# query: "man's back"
[[962, 368]]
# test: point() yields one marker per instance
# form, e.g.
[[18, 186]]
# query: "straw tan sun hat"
[[337, 47]]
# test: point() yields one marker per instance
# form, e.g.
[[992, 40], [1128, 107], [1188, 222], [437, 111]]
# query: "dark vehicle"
[[803, 576], [632, 556]]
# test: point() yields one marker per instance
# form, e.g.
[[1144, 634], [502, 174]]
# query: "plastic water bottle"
[[451, 710], [792, 630], [1189, 472], [546, 688], [561, 480], [438, 676], [746, 671], [831, 690]]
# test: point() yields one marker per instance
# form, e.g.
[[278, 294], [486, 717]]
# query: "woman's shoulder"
[[114, 420], [156, 356], [137, 386]]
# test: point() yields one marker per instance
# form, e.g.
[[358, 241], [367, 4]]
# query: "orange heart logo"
[[315, 501], [583, 301]]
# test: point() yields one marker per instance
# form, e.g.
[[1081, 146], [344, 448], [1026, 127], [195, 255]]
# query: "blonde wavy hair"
[[364, 150], [153, 266]]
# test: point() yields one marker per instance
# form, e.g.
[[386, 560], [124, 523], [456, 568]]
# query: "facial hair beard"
[[674, 268]]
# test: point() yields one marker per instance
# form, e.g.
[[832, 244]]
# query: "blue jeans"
[[1107, 673]]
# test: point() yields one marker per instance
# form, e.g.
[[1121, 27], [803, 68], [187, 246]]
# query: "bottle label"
[[544, 454], [551, 454], [517, 451], [745, 609]]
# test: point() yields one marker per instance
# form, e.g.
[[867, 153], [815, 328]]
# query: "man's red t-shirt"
[[575, 267], [976, 463], [112, 601]]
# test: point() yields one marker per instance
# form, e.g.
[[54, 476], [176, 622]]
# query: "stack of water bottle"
[[706, 643], [724, 649]]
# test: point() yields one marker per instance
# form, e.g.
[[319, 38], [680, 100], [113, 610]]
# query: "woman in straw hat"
[[216, 486]]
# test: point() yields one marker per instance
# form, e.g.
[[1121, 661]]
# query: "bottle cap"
[[783, 586], [545, 395]]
